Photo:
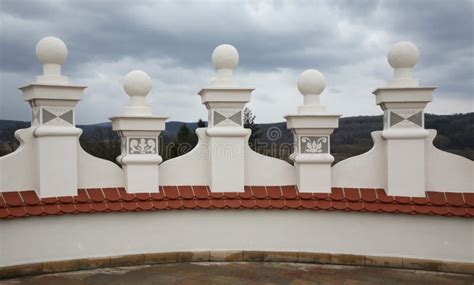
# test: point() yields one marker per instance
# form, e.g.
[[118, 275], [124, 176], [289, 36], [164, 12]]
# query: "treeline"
[[455, 135]]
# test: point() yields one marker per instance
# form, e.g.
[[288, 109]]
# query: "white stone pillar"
[[52, 99], [139, 131], [225, 101], [403, 102], [312, 127]]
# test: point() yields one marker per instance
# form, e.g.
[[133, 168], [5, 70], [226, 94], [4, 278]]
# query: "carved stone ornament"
[[142, 146], [314, 144]]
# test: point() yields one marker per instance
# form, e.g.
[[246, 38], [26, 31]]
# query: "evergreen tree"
[[201, 124], [249, 123]]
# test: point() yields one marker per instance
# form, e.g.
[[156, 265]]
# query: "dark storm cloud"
[[337, 37]]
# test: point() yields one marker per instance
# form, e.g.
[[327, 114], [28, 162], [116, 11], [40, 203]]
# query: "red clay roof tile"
[[259, 192], [339, 205], [352, 194], [321, 196], [289, 192], [157, 196], [124, 195], [247, 203], [337, 194], [247, 194], [306, 196], [204, 204], [373, 207], [51, 209], [436, 198], [278, 204], [422, 209], [83, 208], [185, 192], [82, 196], [96, 194], [160, 205], [4, 213], [233, 204], [324, 205], [230, 195], [381, 196], [218, 203], [201, 192], [469, 199], [114, 207], [34, 210], [111, 194], [389, 208], [49, 200], [368, 195], [171, 192], [99, 207], [143, 196], [17, 211], [12, 198], [293, 204], [262, 204], [67, 208], [145, 205], [274, 192], [439, 210], [30, 198], [308, 204], [27, 203], [189, 204], [216, 195], [130, 206], [355, 206], [66, 199], [454, 199], [420, 200], [402, 200]]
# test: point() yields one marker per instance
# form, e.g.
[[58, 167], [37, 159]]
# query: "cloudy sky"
[[173, 40]]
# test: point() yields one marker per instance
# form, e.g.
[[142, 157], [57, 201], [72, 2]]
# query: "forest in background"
[[455, 135]]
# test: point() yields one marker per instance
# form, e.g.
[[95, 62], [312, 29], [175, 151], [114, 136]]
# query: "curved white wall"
[[79, 236]]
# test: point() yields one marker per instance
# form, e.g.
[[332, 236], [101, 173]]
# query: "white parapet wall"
[[101, 235]]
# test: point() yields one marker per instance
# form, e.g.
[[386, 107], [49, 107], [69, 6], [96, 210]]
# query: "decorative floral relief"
[[314, 144], [142, 146]]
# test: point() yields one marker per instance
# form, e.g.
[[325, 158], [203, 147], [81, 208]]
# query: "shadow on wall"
[[455, 135]]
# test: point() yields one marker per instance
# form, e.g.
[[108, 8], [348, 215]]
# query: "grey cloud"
[[327, 35]]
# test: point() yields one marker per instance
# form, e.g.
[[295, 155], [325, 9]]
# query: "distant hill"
[[455, 134]]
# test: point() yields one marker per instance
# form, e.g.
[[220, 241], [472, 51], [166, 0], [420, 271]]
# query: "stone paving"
[[237, 273]]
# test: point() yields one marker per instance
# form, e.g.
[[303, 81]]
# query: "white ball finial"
[[403, 55], [311, 82], [137, 83], [225, 57], [51, 50]]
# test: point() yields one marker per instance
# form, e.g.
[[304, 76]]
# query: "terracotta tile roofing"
[[27, 203]]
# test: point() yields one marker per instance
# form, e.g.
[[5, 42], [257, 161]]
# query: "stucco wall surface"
[[70, 237]]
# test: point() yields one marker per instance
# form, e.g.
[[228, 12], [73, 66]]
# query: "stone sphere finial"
[[51, 50], [225, 57], [311, 82], [137, 83], [403, 55]]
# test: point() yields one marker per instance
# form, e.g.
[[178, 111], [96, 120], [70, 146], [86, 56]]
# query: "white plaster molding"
[[445, 172]]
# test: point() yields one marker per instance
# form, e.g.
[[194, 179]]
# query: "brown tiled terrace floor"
[[244, 273]]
